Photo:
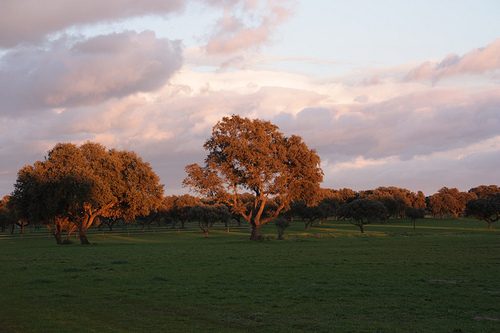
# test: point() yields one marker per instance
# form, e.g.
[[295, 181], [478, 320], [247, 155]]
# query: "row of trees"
[[252, 172], [357, 207]]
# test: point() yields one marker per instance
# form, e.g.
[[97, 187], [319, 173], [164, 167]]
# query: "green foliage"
[[363, 211], [281, 224], [414, 213], [485, 209]]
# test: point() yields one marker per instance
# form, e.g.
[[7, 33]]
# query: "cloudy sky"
[[389, 92]]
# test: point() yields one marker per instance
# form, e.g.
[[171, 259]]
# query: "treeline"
[[358, 207], [252, 173]]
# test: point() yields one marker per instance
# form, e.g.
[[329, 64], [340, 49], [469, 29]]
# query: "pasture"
[[443, 276]]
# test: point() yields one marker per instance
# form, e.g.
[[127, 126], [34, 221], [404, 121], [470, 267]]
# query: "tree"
[[449, 201], [485, 191], [208, 215], [80, 183], [281, 224], [180, 208], [485, 209], [322, 210], [363, 211], [247, 155], [414, 213], [7, 215]]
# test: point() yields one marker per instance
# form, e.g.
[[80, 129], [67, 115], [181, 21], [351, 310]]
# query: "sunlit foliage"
[[247, 155], [79, 183]]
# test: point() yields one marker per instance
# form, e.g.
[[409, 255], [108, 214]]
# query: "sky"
[[388, 92]]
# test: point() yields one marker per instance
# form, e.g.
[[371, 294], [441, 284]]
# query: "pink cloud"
[[234, 34], [70, 73], [31, 20], [477, 61]]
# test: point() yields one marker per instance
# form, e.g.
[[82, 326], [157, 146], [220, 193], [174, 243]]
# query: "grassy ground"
[[441, 277]]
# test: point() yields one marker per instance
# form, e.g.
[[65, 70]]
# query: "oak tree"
[[414, 213], [246, 155], [487, 210], [363, 211], [80, 183]]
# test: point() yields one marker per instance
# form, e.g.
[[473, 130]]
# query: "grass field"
[[443, 276]]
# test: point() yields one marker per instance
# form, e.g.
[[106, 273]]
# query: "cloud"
[[32, 20], [71, 72], [477, 61], [133, 90], [241, 29], [405, 127]]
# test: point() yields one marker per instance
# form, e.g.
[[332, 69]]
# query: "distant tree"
[[449, 201], [361, 212], [7, 215], [487, 210], [208, 215], [414, 213], [347, 195], [392, 205], [395, 199], [247, 155], [485, 191], [80, 183], [109, 222], [324, 209], [181, 207], [281, 224]]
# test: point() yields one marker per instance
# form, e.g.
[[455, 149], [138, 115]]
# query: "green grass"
[[441, 277]]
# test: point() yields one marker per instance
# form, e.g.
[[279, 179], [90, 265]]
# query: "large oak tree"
[[246, 155], [80, 183]]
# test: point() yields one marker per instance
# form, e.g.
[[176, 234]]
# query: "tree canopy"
[[485, 209], [246, 155], [363, 211], [80, 183]]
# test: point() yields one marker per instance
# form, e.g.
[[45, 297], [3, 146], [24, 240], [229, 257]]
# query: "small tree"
[[281, 224], [414, 213], [208, 215], [361, 212], [487, 210]]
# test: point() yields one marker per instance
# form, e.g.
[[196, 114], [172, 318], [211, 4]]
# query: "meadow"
[[443, 276]]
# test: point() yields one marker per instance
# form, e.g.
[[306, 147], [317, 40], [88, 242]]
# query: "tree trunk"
[[361, 228], [255, 232], [490, 224], [58, 238], [83, 238]]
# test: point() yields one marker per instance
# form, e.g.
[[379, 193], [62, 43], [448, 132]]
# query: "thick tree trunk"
[[361, 228], [83, 238], [255, 232]]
